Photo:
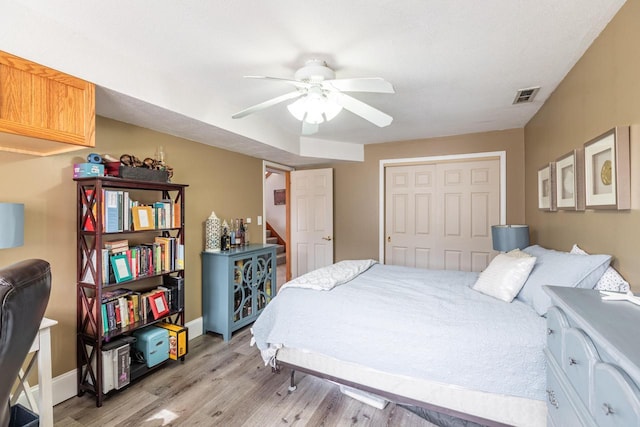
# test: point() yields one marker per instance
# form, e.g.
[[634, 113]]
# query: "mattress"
[[505, 409]]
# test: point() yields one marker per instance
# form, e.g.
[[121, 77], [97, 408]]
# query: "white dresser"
[[593, 360]]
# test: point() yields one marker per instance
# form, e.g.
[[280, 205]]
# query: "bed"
[[427, 338]]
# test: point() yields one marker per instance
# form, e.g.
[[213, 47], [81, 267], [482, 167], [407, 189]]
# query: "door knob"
[[389, 239], [328, 238]]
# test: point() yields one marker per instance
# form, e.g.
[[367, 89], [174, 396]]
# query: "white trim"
[[502, 155], [65, 385], [269, 165]]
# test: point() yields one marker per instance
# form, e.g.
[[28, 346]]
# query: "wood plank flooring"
[[227, 384]]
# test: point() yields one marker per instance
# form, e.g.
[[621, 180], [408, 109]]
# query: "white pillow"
[[505, 275], [611, 280]]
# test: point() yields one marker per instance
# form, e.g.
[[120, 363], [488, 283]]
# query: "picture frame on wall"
[[607, 170], [570, 181], [279, 197], [547, 187]]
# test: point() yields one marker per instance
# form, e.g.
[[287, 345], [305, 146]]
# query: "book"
[[116, 244], [176, 285], [177, 218], [111, 211], [123, 367], [105, 319]]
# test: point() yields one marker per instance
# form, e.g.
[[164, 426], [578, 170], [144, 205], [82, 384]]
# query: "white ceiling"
[[177, 66]]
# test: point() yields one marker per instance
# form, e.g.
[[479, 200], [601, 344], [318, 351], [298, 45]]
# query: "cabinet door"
[[43, 104], [243, 276], [264, 284]]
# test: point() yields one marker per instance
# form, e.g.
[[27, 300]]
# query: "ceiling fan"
[[320, 96]]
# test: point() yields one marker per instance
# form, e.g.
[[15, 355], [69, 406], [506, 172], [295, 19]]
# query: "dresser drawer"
[[615, 400], [556, 324], [578, 357], [560, 409]]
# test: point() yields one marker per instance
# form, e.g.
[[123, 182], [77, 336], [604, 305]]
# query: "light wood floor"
[[227, 384]]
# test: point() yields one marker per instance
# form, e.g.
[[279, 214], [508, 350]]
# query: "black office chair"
[[24, 294]]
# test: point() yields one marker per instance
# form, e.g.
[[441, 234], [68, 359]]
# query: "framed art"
[[142, 218], [121, 268], [279, 197], [159, 306], [570, 181], [607, 170], [547, 187]]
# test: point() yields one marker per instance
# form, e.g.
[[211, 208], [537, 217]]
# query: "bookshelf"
[[130, 268]]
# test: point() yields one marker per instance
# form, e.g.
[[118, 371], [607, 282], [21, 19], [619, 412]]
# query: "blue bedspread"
[[420, 323]]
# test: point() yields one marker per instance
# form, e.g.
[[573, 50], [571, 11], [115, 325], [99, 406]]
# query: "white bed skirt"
[[511, 410]]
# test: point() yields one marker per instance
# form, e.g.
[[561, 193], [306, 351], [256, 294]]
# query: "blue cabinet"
[[236, 286]]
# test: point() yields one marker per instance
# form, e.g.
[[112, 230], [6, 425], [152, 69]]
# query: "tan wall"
[[356, 192], [600, 92], [229, 183]]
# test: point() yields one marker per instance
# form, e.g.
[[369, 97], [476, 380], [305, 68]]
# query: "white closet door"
[[439, 215]]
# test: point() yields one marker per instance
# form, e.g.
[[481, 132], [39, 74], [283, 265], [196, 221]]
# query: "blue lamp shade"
[[11, 225], [509, 237]]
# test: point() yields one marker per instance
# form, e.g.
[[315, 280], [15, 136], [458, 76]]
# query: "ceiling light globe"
[[298, 109]]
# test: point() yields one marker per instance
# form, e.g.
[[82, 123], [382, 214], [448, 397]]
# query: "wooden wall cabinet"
[[43, 111], [236, 286]]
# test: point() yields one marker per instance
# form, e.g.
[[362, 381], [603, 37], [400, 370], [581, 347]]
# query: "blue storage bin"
[[22, 417], [153, 342]]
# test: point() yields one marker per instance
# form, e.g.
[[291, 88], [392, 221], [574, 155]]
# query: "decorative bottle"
[[212, 233], [241, 232], [225, 243], [232, 234]]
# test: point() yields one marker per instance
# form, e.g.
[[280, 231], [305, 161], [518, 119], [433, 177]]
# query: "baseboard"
[[65, 385]]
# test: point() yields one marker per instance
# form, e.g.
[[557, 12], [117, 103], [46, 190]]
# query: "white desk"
[[41, 352]]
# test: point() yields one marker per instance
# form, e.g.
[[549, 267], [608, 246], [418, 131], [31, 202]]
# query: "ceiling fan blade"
[[363, 110], [309, 128], [295, 83], [369, 84], [266, 104]]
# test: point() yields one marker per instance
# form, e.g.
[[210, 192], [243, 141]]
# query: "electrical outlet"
[[259, 219]]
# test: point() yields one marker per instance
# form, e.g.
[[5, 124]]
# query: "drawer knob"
[[608, 410], [572, 361], [549, 331], [551, 396]]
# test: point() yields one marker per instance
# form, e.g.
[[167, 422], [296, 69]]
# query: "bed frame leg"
[[292, 386]]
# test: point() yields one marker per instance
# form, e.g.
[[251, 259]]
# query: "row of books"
[[120, 213], [121, 263], [123, 307]]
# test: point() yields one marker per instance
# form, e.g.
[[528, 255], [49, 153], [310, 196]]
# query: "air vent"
[[525, 95]]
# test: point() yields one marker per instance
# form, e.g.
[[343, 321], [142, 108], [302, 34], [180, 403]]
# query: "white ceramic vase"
[[212, 233]]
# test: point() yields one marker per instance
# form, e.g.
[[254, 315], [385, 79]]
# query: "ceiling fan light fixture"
[[314, 108], [298, 109]]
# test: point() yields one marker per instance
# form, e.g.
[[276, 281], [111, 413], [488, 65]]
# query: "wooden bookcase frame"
[[90, 287]]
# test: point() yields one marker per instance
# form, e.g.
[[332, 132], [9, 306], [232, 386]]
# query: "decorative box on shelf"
[[86, 170], [144, 174]]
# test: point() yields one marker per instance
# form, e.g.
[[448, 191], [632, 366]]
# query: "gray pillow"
[[557, 268]]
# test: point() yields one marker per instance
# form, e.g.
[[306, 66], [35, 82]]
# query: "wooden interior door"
[[439, 215], [311, 220]]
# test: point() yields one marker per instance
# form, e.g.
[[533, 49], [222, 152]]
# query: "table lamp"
[[11, 225], [509, 237]]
